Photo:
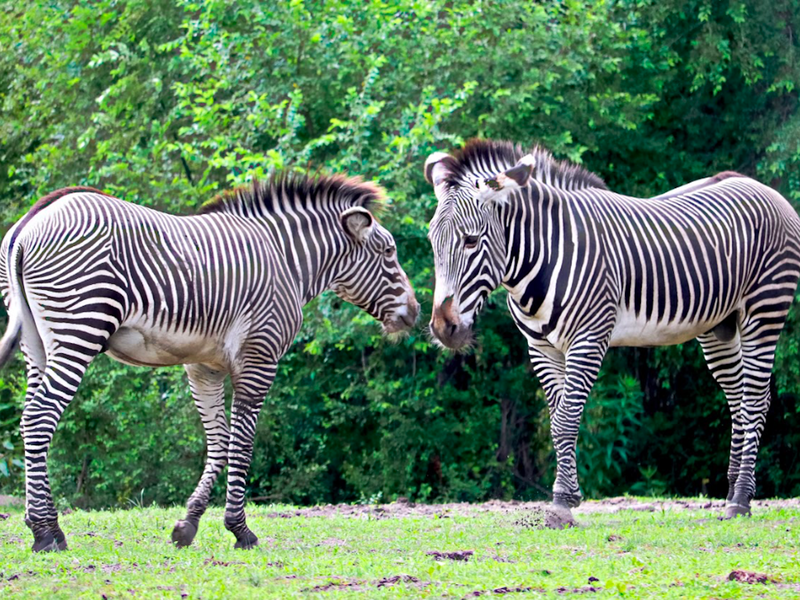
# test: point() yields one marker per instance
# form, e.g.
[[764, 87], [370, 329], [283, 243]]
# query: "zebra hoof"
[[61, 540], [559, 517], [183, 533], [247, 541], [736, 510], [49, 543]]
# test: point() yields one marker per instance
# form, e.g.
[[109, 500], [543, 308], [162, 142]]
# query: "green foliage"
[[613, 412], [167, 102]]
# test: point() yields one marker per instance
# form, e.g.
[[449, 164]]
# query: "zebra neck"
[[308, 251], [533, 224]]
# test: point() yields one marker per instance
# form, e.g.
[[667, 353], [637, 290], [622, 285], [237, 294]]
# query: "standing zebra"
[[220, 292], [586, 269]]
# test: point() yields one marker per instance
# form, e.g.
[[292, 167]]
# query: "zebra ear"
[[357, 222], [437, 168], [514, 178], [520, 173]]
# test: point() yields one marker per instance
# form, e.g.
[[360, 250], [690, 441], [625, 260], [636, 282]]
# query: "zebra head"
[[370, 275], [468, 239]]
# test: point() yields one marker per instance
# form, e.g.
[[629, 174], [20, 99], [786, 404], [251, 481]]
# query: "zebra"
[[586, 269], [219, 292]]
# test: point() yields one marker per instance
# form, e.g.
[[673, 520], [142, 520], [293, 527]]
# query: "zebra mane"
[[481, 156], [313, 192]]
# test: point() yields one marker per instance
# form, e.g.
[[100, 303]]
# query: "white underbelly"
[[145, 347], [632, 330]]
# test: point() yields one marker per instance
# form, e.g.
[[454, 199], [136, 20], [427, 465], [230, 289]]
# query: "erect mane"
[[481, 156], [307, 191]]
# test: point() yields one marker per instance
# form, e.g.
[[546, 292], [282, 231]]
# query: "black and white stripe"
[[585, 268], [220, 292]]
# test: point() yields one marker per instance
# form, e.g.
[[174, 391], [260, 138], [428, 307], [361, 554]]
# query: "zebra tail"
[[17, 309]]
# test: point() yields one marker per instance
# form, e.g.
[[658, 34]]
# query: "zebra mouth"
[[403, 319], [452, 336]]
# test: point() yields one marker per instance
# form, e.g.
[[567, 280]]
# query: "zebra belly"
[[633, 330], [146, 347]]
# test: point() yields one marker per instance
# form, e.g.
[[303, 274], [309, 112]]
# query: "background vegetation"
[[166, 102]]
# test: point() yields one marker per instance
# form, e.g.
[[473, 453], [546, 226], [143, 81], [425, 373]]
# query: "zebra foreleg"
[[583, 362], [249, 389], [724, 359], [208, 392], [549, 366]]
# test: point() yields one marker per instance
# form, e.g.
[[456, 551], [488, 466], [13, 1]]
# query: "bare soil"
[[535, 509], [749, 577]]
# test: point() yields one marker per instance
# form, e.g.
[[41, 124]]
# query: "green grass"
[[635, 554]]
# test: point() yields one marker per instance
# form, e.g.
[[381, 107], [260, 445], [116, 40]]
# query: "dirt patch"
[[534, 512], [535, 518], [586, 589], [505, 590], [335, 585], [332, 542], [170, 588], [220, 563], [463, 555], [358, 585], [749, 577], [110, 568], [502, 559], [390, 581]]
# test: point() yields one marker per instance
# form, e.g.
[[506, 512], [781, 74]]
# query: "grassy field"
[[633, 548]]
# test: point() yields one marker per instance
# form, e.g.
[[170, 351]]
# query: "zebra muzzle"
[[404, 318], [447, 327]]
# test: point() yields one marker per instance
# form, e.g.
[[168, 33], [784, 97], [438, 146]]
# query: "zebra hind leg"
[[35, 363], [208, 392], [724, 360], [249, 388], [41, 414], [759, 335]]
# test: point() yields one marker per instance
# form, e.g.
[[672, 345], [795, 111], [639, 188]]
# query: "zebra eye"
[[470, 241], [389, 251]]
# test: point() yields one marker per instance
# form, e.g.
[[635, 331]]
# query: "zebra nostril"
[[450, 328]]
